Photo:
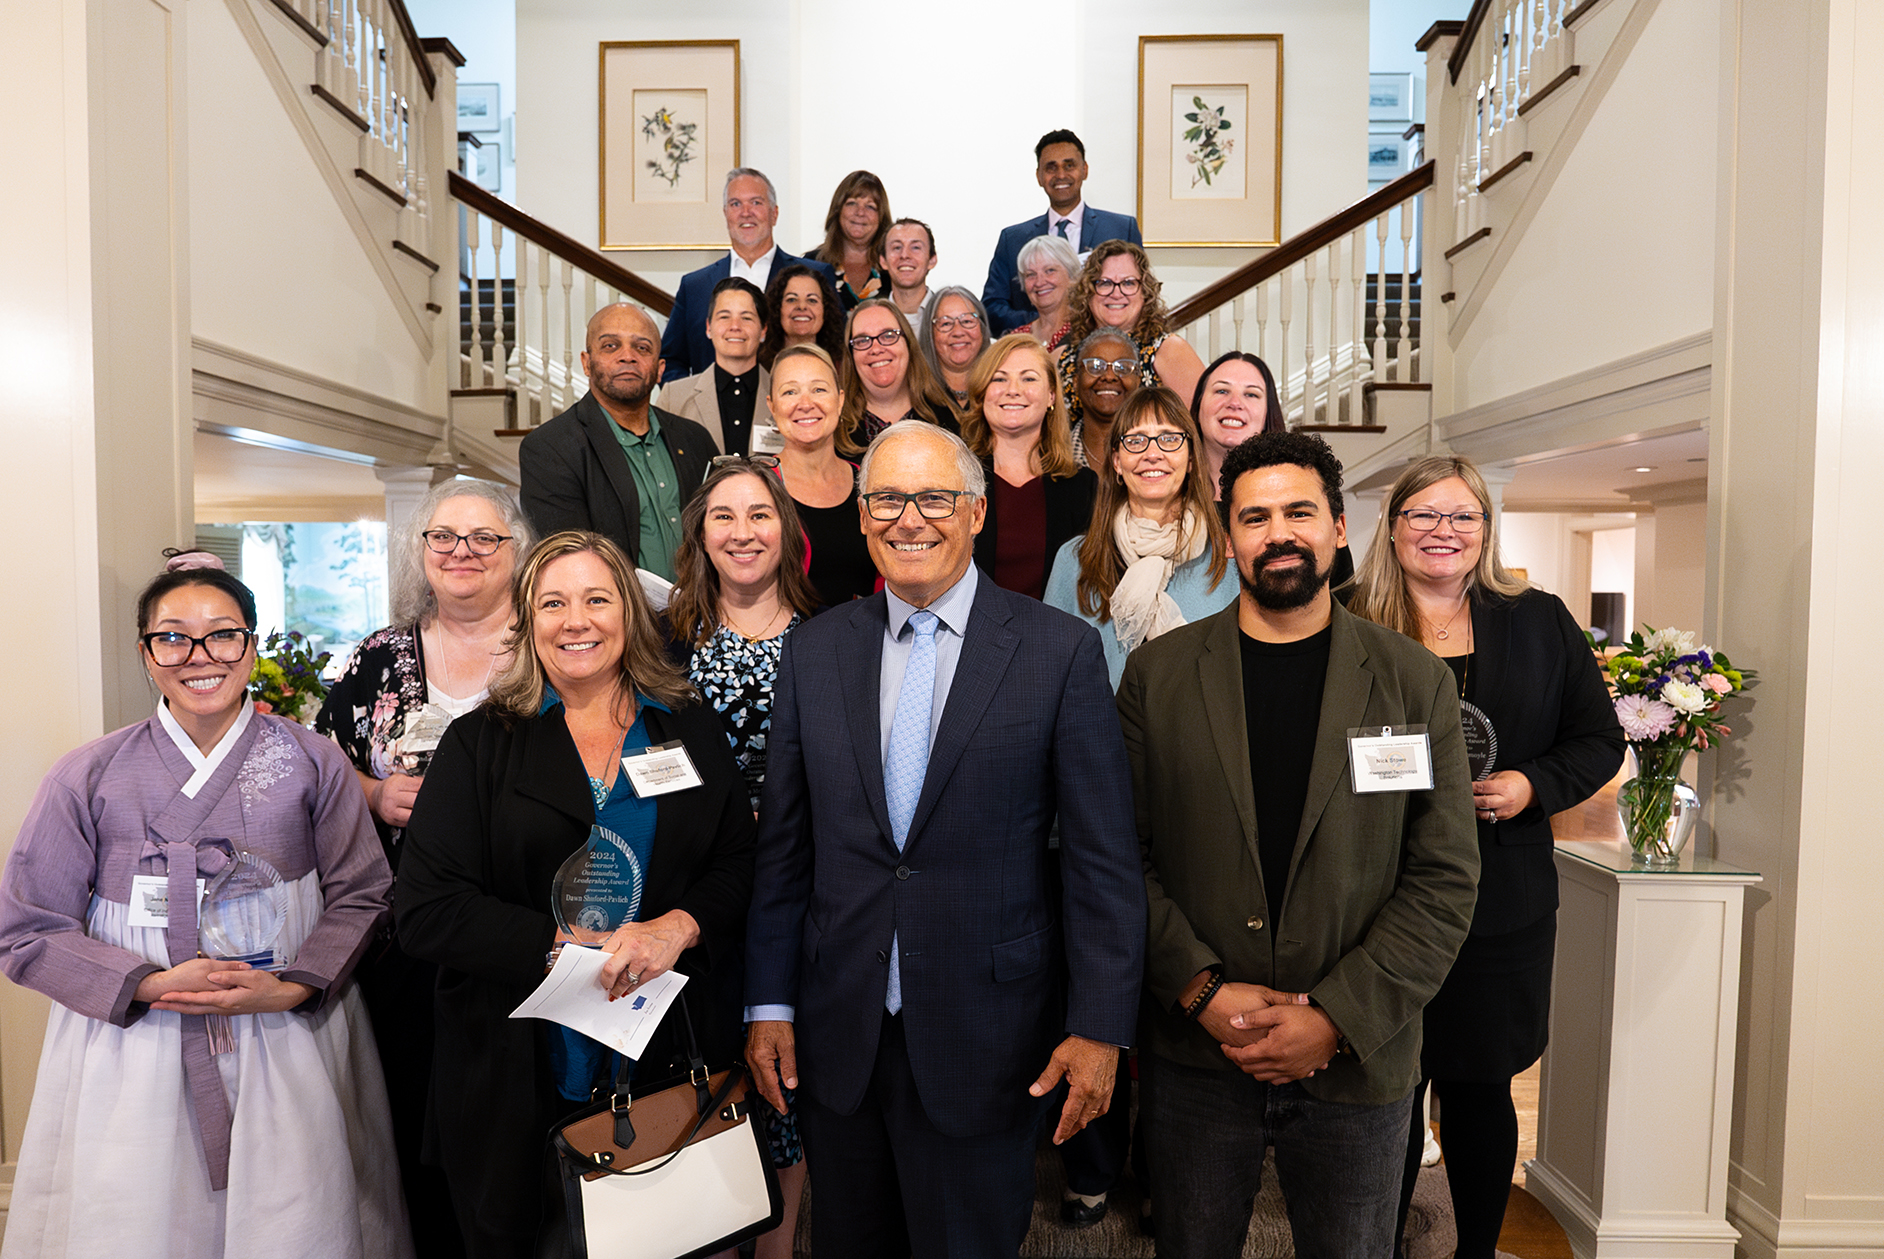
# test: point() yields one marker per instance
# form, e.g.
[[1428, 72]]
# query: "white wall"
[[961, 93], [278, 273], [1612, 568], [1394, 26], [1620, 257], [485, 31]]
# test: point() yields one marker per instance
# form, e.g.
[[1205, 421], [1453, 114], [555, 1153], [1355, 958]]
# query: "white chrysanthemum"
[[1678, 642], [1685, 696], [1644, 718]]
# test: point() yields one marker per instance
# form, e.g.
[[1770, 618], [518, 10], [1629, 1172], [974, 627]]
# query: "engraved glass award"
[[598, 889], [1481, 741], [244, 909], [411, 749]]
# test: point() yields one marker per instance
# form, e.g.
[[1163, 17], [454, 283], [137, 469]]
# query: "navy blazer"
[[684, 345], [999, 964], [575, 475], [1008, 304]]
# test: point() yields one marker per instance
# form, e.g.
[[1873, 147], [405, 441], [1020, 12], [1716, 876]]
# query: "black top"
[[1282, 684], [841, 567], [737, 395], [1461, 667]]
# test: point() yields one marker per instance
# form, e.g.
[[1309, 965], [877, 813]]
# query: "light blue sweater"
[[1189, 586]]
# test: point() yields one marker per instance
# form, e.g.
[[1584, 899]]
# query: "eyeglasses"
[[949, 323], [886, 338], [1427, 521], [730, 461], [1139, 443], [1099, 366], [480, 541], [1104, 287], [932, 504], [170, 649]]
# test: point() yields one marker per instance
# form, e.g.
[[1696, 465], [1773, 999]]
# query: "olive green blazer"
[[1381, 886]]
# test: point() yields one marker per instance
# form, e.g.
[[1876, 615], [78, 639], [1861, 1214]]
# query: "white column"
[[1794, 457], [404, 488], [94, 347]]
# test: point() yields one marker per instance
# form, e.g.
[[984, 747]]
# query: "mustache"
[[1276, 550]]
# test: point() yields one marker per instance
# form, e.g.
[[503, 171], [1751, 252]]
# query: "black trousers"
[[888, 1183]]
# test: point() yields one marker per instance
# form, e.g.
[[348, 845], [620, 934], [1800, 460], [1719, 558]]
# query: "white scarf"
[[1141, 610]]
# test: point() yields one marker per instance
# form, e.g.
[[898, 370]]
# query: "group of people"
[[1038, 716]]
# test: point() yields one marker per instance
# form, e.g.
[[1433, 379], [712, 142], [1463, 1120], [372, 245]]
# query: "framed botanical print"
[[669, 133], [1210, 139]]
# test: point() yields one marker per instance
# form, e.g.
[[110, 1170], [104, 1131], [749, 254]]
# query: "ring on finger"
[[633, 979]]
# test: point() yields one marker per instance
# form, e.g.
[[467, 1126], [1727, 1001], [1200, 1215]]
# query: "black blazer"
[[1069, 514], [575, 475], [1535, 677], [999, 960], [503, 805]]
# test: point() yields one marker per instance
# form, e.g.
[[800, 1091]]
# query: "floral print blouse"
[[736, 676]]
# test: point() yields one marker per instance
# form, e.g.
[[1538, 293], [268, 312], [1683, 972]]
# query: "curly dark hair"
[[1266, 450], [830, 337]]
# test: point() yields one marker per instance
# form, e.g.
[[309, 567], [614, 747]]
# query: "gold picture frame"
[[667, 135], [1210, 140]]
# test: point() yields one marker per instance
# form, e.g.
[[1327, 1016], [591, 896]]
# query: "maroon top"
[[1020, 552]]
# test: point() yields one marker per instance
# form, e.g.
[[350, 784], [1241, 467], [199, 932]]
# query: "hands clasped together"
[[208, 985], [641, 950], [1274, 1036]]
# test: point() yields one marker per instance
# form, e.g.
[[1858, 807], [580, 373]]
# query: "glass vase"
[[1657, 809]]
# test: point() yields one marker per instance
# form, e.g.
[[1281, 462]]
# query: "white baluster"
[[474, 351], [543, 334], [1379, 349], [1335, 287], [1262, 322], [1285, 288], [1308, 339], [1357, 257], [567, 395], [1215, 334], [500, 352], [1236, 321], [1404, 372]]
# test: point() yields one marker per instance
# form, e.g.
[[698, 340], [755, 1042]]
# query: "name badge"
[[659, 769], [150, 900], [1390, 758], [766, 439]]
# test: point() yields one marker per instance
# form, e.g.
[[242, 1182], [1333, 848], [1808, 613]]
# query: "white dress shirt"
[[758, 272]]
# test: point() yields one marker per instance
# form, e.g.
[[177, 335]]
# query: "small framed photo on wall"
[[478, 107]]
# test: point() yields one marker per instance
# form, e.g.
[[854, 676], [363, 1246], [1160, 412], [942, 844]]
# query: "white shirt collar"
[[204, 766], [758, 272], [1077, 214], [951, 607]]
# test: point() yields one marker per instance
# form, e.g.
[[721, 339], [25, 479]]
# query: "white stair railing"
[[1509, 53], [1305, 310], [553, 285]]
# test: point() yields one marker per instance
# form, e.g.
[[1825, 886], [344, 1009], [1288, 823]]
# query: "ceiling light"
[[1641, 469]]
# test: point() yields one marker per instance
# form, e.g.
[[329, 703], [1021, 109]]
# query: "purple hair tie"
[[180, 561]]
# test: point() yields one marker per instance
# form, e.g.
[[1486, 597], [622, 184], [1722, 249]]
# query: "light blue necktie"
[[908, 760]]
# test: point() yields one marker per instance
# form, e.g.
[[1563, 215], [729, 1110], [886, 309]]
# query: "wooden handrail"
[[1300, 246], [415, 46], [563, 247], [1473, 20]]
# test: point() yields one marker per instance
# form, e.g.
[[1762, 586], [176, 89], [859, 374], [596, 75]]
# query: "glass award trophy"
[[411, 750], [598, 889], [244, 909], [1481, 741]]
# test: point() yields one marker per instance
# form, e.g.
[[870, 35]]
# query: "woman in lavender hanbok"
[[192, 1105]]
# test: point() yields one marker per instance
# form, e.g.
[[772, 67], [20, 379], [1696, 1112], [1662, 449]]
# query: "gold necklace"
[[1442, 633], [765, 630]]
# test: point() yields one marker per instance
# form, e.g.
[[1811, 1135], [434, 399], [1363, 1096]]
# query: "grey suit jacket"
[[1381, 886], [696, 398]]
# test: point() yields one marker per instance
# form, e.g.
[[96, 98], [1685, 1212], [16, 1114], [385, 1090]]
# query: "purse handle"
[[712, 1105]]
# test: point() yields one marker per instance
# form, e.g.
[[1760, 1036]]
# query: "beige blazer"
[[1381, 885], [696, 398]]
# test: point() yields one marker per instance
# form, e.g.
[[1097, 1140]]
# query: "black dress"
[[841, 567]]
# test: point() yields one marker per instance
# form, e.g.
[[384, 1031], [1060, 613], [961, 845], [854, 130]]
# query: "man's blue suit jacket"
[[684, 345], [1000, 960], [1007, 303]]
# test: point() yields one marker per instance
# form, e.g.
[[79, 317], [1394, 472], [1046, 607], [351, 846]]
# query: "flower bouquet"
[[1668, 691], [286, 679]]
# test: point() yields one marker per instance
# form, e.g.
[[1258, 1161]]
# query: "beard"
[[631, 396], [1288, 589]]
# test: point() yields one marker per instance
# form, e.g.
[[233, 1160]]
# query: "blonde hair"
[[1055, 447], [1380, 590], [645, 666]]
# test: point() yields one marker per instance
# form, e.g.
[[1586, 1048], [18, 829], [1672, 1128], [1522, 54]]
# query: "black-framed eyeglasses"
[[170, 649], [1139, 443], [949, 323], [888, 337], [1099, 366], [480, 541], [1422, 521], [768, 462], [931, 504], [1127, 286]]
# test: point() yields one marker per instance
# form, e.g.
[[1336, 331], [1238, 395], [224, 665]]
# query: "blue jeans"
[[1205, 1133]]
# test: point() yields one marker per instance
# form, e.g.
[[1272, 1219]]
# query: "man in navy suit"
[[909, 953], [751, 206], [1060, 169]]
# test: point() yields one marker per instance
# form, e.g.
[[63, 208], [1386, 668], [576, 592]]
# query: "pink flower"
[[1716, 683], [1644, 718], [263, 706]]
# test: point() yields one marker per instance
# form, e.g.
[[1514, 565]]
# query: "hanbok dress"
[[142, 1140]]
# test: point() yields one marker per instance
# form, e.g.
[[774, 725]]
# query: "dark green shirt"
[[659, 490]]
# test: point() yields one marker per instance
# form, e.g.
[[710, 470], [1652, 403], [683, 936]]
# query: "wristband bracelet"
[[549, 958], [1202, 999]]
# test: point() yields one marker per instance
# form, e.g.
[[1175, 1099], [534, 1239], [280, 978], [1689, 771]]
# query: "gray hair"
[[1107, 334], [412, 599], [988, 337], [974, 479], [1054, 247], [747, 172]]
